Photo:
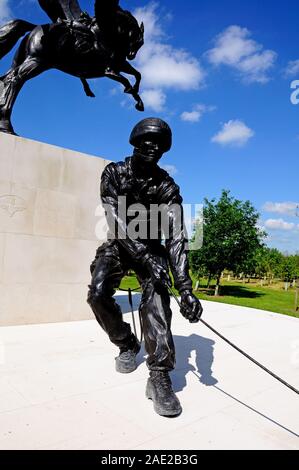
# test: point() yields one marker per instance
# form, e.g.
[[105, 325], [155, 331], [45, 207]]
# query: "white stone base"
[[60, 391], [48, 198]]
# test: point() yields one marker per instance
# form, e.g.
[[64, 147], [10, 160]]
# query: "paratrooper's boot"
[[159, 389], [126, 362]]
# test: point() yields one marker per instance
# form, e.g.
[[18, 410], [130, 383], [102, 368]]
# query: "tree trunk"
[[198, 280], [217, 288], [209, 281], [296, 299]]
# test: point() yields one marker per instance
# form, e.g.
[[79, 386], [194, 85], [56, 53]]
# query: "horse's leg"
[[87, 88], [129, 69], [128, 87], [11, 85], [117, 77], [8, 94], [20, 54]]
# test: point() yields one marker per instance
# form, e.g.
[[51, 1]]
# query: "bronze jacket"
[[122, 187]]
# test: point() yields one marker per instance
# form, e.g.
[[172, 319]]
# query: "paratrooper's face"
[[150, 149]]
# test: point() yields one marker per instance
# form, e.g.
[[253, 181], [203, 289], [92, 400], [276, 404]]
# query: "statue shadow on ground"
[[194, 353], [123, 302], [200, 350]]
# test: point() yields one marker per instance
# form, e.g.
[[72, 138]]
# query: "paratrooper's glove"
[[191, 307]]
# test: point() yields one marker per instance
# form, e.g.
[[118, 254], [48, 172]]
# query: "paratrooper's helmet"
[[152, 126]]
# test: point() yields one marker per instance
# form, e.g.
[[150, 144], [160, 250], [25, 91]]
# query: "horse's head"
[[136, 41], [133, 35]]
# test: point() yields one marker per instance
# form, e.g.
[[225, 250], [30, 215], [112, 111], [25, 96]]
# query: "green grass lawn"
[[273, 299]]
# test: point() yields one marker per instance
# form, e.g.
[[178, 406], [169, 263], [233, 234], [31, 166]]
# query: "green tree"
[[289, 269], [275, 260], [230, 236], [267, 262], [296, 261]]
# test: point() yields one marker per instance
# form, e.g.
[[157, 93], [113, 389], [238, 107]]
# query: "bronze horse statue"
[[75, 43]]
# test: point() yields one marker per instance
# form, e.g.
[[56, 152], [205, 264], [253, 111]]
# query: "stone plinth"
[[60, 390], [48, 198]]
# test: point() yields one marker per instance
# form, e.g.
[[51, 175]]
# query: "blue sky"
[[220, 73]]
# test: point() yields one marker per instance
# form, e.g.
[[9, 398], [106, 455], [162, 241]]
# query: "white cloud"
[[148, 15], [288, 208], [154, 99], [5, 11], [163, 66], [292, 68], [171, 169], [235, 48], [234, 133], [191, 116], [279, 224], [196, 114]]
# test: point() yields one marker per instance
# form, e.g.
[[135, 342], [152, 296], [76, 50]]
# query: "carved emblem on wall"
[[12, 204]]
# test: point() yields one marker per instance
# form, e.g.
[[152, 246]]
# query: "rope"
[[240, 350], [210, 328], [130, 298]]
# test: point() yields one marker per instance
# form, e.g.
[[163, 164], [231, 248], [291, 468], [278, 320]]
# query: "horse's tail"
[[11, 32]]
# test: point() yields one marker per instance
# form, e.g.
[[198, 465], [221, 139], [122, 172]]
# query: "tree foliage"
[[231, 236]]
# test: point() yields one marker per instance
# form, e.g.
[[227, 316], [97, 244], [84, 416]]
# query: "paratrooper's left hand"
[[191, 307]]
